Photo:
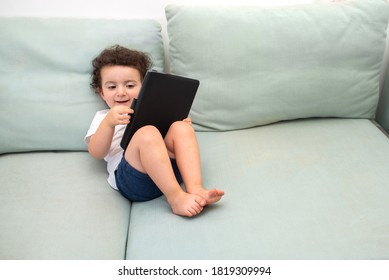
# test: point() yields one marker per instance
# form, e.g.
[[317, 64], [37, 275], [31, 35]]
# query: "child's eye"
[[130, 86], [111, 87]]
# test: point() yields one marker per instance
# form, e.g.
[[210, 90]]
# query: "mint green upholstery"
[[46, 101], [383, 108], [308, 189], [262, 65], [284, 118], [59, 206]]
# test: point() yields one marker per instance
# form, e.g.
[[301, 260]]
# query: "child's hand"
[[119, 115], [188, 120]]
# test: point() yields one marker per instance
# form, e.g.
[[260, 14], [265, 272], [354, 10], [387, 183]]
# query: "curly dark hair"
[[118, 55]]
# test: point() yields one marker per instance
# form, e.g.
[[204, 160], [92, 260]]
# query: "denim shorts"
[[137, 186]]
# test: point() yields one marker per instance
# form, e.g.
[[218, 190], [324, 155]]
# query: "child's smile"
[[123, 102]]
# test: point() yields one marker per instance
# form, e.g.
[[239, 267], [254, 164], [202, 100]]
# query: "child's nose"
[[122, 91]]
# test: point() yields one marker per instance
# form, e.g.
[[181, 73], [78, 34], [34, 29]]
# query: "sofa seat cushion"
[[307, 189], [59, 206]]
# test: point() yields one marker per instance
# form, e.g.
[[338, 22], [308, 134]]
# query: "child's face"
[[119, 85]]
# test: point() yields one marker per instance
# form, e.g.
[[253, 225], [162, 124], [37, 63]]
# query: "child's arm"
[[100, 142]]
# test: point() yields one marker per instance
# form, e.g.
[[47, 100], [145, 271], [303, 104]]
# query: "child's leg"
[[182, 144], [147, 153]]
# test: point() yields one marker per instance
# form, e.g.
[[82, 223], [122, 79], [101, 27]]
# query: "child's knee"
[[181, 127], [147, 134]]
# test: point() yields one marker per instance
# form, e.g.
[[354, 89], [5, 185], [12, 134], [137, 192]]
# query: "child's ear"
[[101, 92]]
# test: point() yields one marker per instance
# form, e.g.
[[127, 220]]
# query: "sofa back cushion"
[[382, 116], [45, 98], [259, 65]]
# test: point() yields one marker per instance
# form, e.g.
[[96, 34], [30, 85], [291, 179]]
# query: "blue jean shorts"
[[137, 186]]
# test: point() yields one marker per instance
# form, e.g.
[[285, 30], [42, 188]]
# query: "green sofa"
[[290, 117]]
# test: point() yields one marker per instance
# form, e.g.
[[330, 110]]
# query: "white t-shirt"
[[115, 153]]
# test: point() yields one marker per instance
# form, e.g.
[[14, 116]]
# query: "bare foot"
[[210, 196], [185, 204]]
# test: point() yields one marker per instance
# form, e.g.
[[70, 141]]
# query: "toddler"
[[151, 166]]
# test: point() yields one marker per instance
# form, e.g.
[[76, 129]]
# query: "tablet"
[[162, 100]]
